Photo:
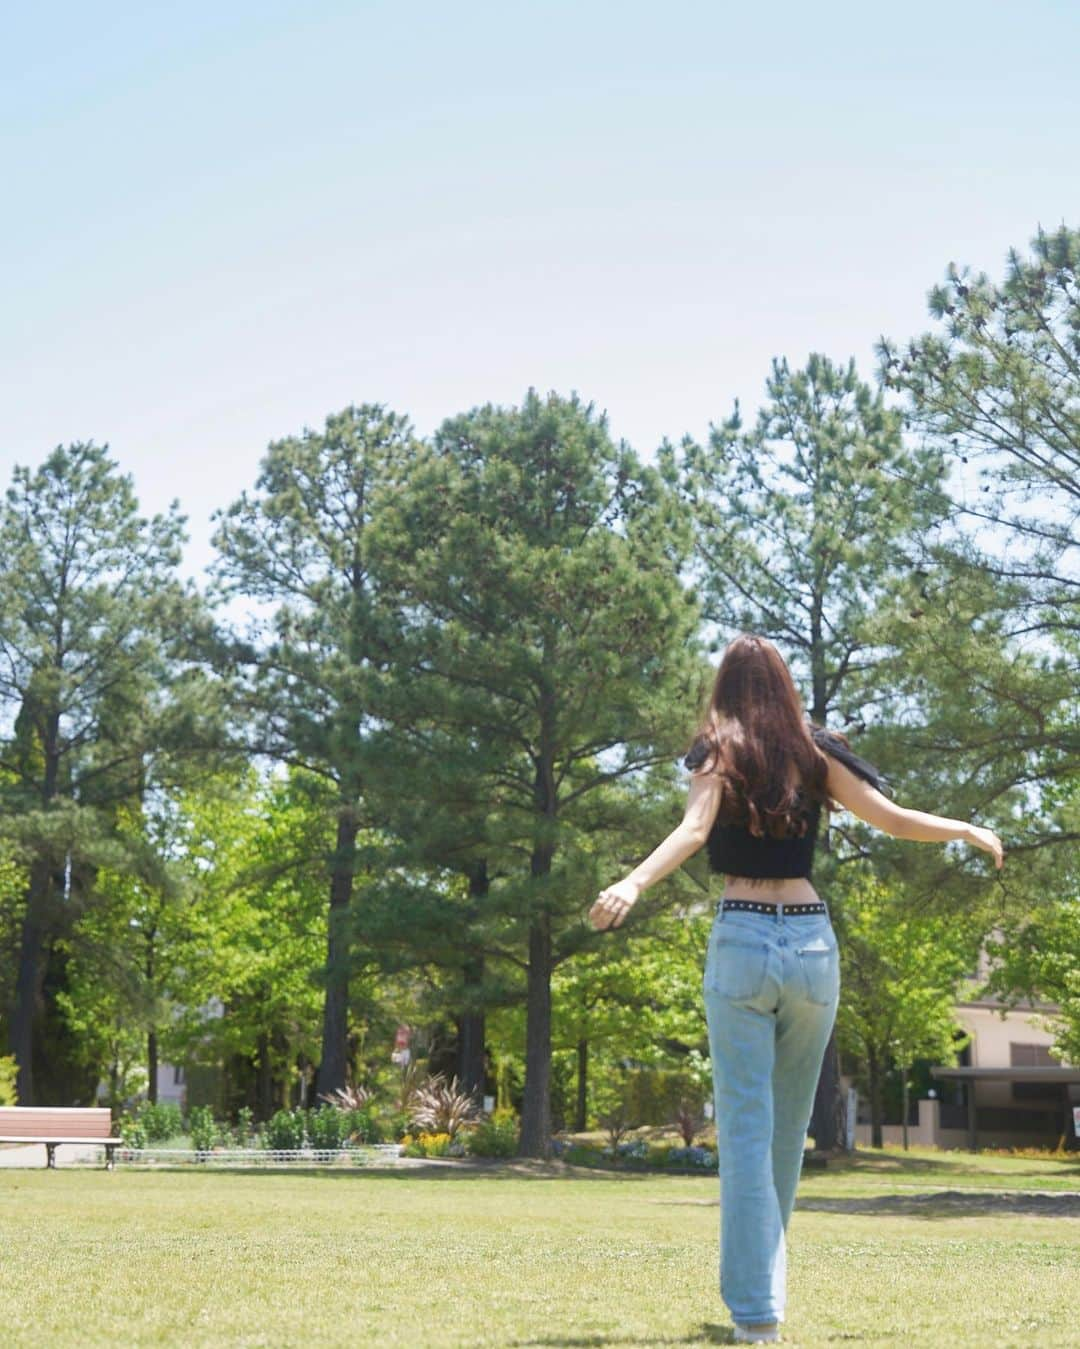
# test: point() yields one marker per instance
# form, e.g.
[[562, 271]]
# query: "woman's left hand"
[[613, 904]]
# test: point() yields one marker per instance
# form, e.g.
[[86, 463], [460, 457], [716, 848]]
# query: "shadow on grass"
[[938, 1204], [950, 1204], [901, 1164], [709, 1334], [520, 1168]]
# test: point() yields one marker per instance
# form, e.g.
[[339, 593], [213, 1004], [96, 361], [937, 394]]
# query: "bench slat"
[[52, 1122], [36, 1138]]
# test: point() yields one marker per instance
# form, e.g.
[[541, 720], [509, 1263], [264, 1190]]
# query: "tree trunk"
[[536, 1105], [28, 978], [151, 1034], [152, 1066], [906, 1090], [582, 1084], [470, 1065], [827, 1120], [877, 1100], [333, 1065], [470, 1061], [264, 1078], [1069, 1129]]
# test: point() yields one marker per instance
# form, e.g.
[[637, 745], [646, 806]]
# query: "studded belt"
[[775, 910]]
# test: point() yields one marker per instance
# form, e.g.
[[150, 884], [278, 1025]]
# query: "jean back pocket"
[[735, 967], [819, 960]]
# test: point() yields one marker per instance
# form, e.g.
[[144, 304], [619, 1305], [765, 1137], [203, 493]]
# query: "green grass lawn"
[[925, 1249]]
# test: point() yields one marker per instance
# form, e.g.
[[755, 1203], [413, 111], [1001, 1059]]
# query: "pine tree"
[[995, 388], [538, 564], [95, 682], [305, 673], [800, 521]]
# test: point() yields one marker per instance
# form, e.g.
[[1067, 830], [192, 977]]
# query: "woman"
[[761, 775]]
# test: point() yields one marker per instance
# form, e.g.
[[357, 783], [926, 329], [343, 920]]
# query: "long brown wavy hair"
[[759, 742]]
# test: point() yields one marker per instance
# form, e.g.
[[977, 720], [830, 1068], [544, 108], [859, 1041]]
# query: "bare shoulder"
[[854, 792]]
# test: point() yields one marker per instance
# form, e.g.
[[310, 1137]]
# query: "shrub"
[[327, 1128], [284, 1131], [8, 1071], [494, 1137], [203, 1128], [363, 1127], [244, 1128], [636, 1150], [408, 1085], [689, 1119], [442, 1106], [703, 1159], [580, 1154], [161, 1121], [427, 1145], [396, 1125], [132, 1131], [435, 1145], [657, 1095], [349, 1098]]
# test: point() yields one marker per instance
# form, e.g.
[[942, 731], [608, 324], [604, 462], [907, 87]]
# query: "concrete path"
[[67, 1154]]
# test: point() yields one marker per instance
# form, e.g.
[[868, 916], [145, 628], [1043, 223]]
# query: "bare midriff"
[[770, 889]]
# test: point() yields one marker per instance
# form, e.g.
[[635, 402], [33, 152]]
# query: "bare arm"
[[856, 795], [684, 840]]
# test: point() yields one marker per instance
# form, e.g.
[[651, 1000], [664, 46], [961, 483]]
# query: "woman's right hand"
[[988, 841]]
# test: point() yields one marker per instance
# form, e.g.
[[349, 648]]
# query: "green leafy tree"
[[1035, 948], [636, 1000], [245, 951], [1038, 961], [900, 975], [111, 998], [8, 1072]]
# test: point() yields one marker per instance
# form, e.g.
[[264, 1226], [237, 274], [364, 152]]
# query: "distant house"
[[1006, 1092]]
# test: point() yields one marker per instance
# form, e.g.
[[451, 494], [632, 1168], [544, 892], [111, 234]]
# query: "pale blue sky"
[[225, 221]]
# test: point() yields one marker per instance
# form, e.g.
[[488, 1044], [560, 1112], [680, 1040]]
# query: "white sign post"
[[849, 1120]]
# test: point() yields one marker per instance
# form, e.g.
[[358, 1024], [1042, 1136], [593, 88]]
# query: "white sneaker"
[[758, 1334]]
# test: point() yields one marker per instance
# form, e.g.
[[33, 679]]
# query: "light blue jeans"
[[771, 986]]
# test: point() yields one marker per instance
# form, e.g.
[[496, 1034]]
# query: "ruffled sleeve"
[[837, 748], [697, 754]]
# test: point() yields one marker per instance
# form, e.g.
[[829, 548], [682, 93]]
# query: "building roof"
[[1059, 1075]]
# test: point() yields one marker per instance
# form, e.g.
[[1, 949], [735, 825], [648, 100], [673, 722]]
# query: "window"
[[1030, 1056], [178, 1076]]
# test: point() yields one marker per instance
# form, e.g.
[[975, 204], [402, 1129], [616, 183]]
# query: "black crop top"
[[735, 851]]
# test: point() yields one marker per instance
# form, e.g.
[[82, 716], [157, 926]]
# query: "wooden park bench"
[[54, 1125]]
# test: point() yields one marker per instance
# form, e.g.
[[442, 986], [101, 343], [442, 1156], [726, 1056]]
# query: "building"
[[1007, 1091]]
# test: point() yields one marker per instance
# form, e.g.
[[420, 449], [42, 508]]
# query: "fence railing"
[[364, 1154]]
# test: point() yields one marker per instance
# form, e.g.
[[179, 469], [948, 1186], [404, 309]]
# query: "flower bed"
[[638, 1155], [377, 1154]]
